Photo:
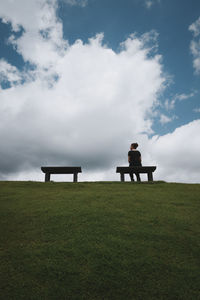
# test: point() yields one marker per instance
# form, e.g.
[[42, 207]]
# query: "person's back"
[[134, 159]]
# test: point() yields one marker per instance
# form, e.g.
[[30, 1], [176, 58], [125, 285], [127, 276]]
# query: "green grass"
[[104, 240]]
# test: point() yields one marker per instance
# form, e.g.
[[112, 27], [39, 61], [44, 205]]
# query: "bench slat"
[[61, 170], [140, 169]]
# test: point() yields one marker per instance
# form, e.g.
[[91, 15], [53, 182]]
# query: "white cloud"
[[31, 15], [165, 119], [197, 110], [9, 73], [150, 3], [41, 42], [195, 27], [177, 154], [195, 50], [82, 3], [195, 44], [170, 104]]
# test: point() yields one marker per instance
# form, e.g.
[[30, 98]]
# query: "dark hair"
[[134, 145]]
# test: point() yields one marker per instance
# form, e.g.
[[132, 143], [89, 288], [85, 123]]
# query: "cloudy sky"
[[82, 79]]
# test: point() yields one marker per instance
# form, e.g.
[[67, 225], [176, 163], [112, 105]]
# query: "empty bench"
[[61, 170], [136, 170]]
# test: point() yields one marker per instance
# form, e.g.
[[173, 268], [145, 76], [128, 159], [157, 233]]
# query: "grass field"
[[104, 240]]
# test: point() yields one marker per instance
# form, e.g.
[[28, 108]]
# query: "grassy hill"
[[104, 240]]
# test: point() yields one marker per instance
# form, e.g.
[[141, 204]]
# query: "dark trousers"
[[131, 173]]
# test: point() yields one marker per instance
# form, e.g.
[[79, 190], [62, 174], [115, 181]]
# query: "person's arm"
[[129, 157]]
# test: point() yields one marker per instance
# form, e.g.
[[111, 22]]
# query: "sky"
[[80, 80]]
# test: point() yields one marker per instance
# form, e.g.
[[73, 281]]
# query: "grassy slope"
[[99, 241]]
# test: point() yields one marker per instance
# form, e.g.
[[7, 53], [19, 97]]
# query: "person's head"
[[134, 146]]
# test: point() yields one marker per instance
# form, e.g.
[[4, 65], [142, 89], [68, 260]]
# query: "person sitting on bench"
[[134, 159]]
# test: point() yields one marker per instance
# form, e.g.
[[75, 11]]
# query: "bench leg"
[[47, 177], [122, 177], [150, 176], [75, 177]]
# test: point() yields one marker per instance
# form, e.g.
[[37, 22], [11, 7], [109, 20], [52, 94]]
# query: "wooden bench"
[[127, 170], [61, 170]]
